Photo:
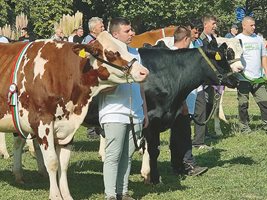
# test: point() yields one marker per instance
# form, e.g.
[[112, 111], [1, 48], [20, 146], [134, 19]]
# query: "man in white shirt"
[[253, 60], [3, 39], [115, 109]]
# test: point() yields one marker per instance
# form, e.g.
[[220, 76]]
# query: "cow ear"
[[80, 50], [223, 47]]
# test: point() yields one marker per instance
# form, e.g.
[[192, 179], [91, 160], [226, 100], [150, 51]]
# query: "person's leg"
[[126, 159], [243, 90], [260, 95], [200, 116], [115, 136]]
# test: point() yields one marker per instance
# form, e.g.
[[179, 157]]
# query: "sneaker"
[[245, 129], [194, 170], [202, 146], [197, 170]]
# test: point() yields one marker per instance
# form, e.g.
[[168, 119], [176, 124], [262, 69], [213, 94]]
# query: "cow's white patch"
[[59, 45], [26, 60], [39, 64]]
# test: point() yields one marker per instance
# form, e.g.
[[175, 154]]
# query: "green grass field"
[[237, 168]]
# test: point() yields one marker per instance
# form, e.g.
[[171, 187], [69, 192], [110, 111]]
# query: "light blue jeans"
[[119, 150]]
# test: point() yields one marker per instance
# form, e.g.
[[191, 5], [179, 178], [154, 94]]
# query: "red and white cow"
[[54, 88]]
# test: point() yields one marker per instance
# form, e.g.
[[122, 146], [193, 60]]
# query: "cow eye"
[[117, 54]]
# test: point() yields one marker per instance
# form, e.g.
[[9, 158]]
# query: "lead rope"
[[140, 145]]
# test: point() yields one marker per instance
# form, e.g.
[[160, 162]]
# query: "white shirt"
[[117, 106], [3, 39], [253, 50]]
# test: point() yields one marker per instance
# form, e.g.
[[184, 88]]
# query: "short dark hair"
[[25, 29], [180, 33], [207, 18], [116, 22]]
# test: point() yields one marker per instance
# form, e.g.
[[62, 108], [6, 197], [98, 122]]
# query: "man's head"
[[120, 28], [234, 29], [59, 32], [96, 25], [248, 25], [209, 24], [24, 31], [80, 31], [182, 37], [195, 27]]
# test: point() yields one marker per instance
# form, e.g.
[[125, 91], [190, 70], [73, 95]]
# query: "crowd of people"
[[115, 108]]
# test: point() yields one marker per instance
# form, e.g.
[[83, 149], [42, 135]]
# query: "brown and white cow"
[[54, 88]]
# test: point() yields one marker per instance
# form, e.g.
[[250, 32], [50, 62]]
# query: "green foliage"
[[144, 14], [43, 14], [4, 9]]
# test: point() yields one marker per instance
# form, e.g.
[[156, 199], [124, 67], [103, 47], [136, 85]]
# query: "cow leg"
[[145, 169], [29, 143], [153, 144], [39, 157], [17, 161], [63, 153], [3, 149], [50, 159], [101, 151]]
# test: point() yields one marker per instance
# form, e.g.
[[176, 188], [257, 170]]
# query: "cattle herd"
[[49, 85]]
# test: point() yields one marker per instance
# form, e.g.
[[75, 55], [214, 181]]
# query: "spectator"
[[114, 112], [233, 31], [25, 36], [96, 26], [182, 159], [204, 101], [3, 39], [253, 59], [78, 38], [58, 36], [73, 33]]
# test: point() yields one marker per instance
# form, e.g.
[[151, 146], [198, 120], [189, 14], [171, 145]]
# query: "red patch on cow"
[[47, 131]]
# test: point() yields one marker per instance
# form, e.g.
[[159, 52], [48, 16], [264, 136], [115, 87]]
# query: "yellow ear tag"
[[217, 56], [82, 53]]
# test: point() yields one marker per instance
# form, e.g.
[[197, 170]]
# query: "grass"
[[237, 168]]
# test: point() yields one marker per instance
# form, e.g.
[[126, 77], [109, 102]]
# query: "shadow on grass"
[[212, 159], [86, 180]]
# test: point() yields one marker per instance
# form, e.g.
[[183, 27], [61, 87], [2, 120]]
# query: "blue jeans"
[[119, 150]]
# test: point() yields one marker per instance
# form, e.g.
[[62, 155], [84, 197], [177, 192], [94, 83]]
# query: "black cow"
[[173, 75]]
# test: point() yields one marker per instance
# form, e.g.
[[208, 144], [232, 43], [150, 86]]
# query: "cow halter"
[[13, 90], [126, 68], [219, 75]]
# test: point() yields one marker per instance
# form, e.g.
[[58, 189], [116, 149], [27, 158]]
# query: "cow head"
[[233, 52], [218, 57], [111, 57]]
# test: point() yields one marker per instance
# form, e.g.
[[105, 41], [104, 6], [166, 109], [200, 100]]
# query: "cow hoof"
[[5, 155]]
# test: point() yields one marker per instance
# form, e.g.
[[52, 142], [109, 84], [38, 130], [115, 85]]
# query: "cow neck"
[[219, 76], [13, 90]]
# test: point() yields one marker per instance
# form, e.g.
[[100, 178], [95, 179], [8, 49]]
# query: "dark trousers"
[[260, 95], [204, 104], [181, 143]]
